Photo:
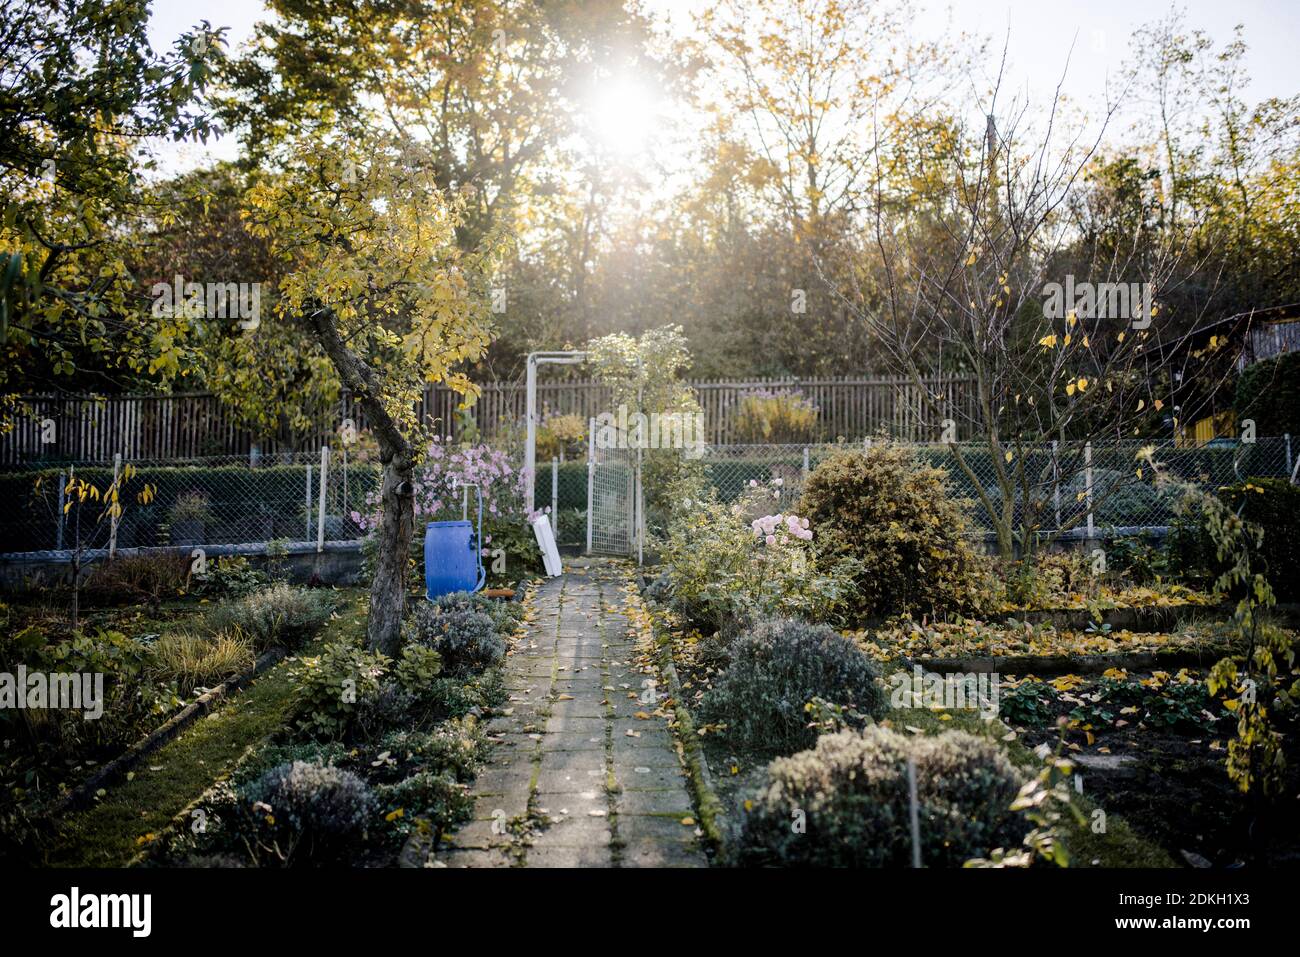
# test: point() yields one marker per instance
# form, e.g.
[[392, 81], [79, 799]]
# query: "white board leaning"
[[546, 542]]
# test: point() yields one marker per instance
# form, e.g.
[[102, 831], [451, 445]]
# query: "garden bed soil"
[[1174, 790]]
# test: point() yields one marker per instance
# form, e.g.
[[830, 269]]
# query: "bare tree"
[[1061, 331]]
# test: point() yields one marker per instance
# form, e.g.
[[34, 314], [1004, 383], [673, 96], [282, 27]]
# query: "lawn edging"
[[707, 803]]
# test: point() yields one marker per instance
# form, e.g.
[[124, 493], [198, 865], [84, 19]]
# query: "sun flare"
[[622, 114]]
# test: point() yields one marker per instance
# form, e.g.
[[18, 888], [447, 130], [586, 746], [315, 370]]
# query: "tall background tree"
[[81, 94]]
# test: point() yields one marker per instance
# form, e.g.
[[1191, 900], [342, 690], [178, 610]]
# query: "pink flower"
[[771, 539]]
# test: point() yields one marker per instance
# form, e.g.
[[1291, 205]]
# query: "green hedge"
[[1274, 505], [1269, 393]]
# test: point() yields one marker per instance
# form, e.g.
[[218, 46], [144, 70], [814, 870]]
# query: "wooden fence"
[[142, 427]]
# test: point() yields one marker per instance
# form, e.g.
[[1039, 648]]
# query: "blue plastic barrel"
[[453, 559]]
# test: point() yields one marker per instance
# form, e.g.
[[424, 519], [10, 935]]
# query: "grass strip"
[[130, 815]]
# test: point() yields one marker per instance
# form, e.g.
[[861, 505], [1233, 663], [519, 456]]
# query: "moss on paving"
[[121, 823], [1120, 846]]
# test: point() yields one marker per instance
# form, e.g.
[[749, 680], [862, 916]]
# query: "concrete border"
[[707, 803]]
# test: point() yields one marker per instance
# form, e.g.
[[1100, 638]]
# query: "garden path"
[[583, 772]]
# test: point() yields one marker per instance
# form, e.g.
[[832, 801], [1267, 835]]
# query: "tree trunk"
[[397, 499], [396, 525]]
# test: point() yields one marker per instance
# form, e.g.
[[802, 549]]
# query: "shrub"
[[852, 788], [1273, 505], [779, 417], [391, 706], [137, 578], [309, 811], [466, 639], [505, 614], [775, 671], [560, 434], [231, 576], [454, 697], [191, 506], [417, 668], [1049, 579], [456, 747], [193, 661], [269, 756], [333, 684], [732, 565], [437, 797], [1269, 393], [278, 615], [892, 515]]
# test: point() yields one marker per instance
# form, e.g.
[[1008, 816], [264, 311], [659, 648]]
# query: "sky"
[[1038, 34]]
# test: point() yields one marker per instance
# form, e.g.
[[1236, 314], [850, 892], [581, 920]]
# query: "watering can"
[[453, 555]]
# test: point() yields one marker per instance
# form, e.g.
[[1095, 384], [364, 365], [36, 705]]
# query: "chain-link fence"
[[232, 500], [224, 500], [1107, 487]]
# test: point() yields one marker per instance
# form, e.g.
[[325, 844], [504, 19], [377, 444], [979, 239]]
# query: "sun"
[[623, 114]]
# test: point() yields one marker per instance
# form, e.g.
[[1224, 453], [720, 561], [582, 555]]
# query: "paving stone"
[[578, 724], [554, 759], [577, 830], [655, 779], [552, 856], [570, 781], [671, 801], [662, 853], [574, 741], [657, 827]]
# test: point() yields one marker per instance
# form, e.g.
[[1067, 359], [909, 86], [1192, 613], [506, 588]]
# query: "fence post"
[[307, 535], [591, 469], [320, 510], [254, 455], [112, 530], [805, 463], [555, 497], [63, 495], [640, 510], [1288, 453], [1056, 484], [1087, 483]]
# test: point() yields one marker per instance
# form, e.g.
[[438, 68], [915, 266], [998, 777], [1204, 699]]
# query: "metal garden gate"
[[615, 505]]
